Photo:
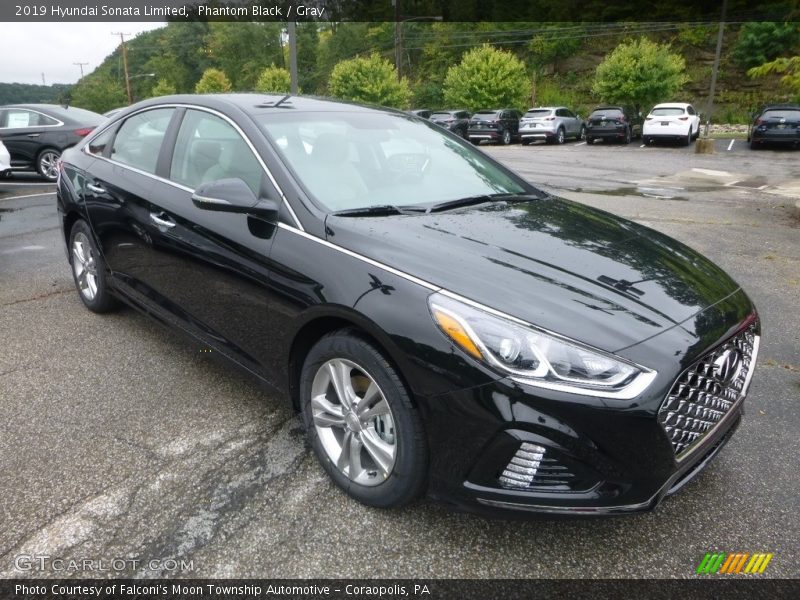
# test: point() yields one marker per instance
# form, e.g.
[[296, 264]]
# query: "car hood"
[[563, 266]]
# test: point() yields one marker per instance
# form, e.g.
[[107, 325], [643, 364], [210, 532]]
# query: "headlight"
[[535, 356]]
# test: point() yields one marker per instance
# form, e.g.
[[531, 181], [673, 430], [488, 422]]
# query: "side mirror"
[[234, 196]]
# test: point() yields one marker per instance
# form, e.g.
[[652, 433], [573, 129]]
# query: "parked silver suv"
[[554, 124]]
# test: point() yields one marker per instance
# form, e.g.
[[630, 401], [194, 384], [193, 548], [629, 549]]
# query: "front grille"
[[706, 391]]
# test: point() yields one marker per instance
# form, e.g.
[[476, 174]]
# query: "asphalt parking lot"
[[120, 440]]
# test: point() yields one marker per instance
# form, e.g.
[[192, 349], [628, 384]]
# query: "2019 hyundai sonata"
[[442, 325]]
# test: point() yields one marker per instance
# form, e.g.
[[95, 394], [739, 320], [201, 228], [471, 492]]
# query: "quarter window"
[[14, 117], [138, 141], [208, 148]]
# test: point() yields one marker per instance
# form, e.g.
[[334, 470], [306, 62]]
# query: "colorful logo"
[[734, 562]]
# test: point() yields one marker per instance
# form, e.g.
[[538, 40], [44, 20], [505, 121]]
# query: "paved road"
[[120, 440]]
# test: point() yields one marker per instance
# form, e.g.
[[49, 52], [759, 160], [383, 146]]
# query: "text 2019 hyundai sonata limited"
[[442, 325]]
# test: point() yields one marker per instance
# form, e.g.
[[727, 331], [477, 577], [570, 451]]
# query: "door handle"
[[162, 222], [33, 135], [96, 188]]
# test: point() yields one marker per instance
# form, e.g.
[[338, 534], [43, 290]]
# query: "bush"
[[274, 79], [639, 72], [163, 88], [487, 78], [98, 93], [213, 81], [371, 80]]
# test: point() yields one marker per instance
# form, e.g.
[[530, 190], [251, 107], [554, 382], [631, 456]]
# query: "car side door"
[[212, 267]]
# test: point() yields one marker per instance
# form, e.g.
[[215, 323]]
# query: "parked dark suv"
[[37, 134], [776, 124], [500, 126], [617, 123], [456, 121]]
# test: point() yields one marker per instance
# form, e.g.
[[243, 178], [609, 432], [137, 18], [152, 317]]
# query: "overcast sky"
[[29, 49]]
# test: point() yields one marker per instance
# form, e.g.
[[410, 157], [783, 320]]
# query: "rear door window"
[[138, 140]]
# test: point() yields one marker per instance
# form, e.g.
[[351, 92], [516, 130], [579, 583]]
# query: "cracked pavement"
[[120, 440]]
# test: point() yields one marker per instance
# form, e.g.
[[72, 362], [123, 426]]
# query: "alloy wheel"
[[48, 164], [84, 266], [354, 422]]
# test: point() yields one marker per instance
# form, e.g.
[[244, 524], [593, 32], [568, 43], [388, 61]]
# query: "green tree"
[[760, 43], [487, 78], [244, 50], [639, 72], [99, 93], [372, 80], [163, 88], [213, 81], [274, 79], [789, 67]]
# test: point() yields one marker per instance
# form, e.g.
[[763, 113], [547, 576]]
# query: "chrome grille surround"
[[704, 394]]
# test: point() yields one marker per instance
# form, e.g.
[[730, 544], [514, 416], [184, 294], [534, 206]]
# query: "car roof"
[[546, 108], [259, 104], [672, 105], [781, 106]]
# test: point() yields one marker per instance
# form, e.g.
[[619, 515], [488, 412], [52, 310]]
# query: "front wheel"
[[89, 270], [361, 423], [47, 163], [582, 133]]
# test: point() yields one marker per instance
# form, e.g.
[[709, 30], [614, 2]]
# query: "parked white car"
[[671, 121], [5, 162]]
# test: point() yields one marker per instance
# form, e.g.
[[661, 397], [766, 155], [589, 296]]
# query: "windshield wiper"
[[481, 199], [378, 211]]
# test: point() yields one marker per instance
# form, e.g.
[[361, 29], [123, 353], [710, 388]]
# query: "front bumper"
[[588, 456]]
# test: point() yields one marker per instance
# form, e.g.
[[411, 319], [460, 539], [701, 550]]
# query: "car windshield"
[[667, 111], [791, 114], [541, 112], [357, 160]]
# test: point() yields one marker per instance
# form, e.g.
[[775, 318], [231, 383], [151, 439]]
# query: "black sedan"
[[443, 326], [37, 134], [776, 124]]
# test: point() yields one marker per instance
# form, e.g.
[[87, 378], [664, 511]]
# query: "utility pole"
[[398, 38], [43, 82], [81, 65], [125, 65], [710, 106], [293, 57]]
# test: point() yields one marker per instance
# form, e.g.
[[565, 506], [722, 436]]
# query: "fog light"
[[522, 468]]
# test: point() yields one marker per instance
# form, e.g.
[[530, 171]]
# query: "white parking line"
[[642, 146], [581, 144], [730, 145], [27, 196]]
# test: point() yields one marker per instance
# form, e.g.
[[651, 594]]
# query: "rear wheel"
[[754, 145], [47, 163], [560, 136], [589, 139], [582, 133], [361, 424], [89, 270], [627, 139], [506, 139], [688, 139]]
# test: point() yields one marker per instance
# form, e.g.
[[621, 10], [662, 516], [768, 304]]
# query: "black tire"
[[560, 137], [102, 300], [589, 140], [581, 133], [46, 163], [754, 145], [505, 137], [686, 141], [627, 139], [647, 141], [476, 142], [407, 478]]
